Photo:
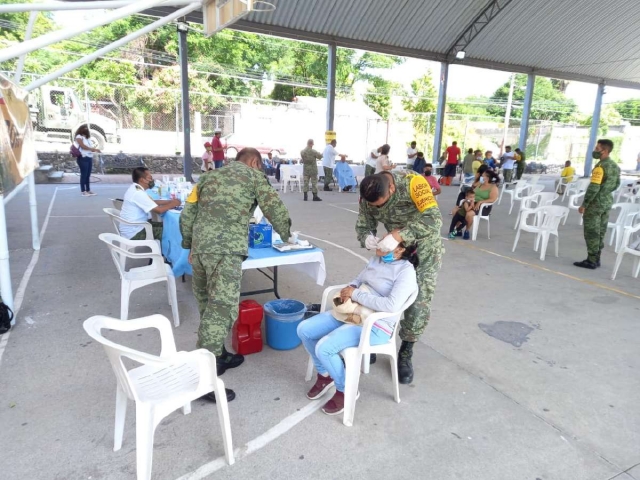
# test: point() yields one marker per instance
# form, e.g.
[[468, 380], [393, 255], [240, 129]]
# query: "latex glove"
[[388, 244], [371, 242], [293, 239]]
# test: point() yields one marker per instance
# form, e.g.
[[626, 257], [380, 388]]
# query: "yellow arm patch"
[[421, 193], [597, 175], [193, 196]]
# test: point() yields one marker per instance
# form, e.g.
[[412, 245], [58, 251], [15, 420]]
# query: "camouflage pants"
[[520, 170], [369, 170], [508, 175], [310, 179], [328, 176], [157, 232], [595, 228], [216, 286], [417, 315]]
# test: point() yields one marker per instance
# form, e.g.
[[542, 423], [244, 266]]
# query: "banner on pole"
[[18, 157]]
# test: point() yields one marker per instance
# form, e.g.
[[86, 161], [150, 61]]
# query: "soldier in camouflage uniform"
[[215, 225], [310, 170], [405, 205], [605, 179]]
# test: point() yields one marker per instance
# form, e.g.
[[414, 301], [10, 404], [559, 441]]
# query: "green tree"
[[609, 116], [422, 100], [379, 95], [549, 103], [629, 110]]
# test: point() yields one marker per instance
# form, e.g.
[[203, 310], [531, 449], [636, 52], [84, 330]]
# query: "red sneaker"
[[335, 406], [320, 388]]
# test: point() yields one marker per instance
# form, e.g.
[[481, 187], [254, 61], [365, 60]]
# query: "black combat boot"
[[598, 259], [305, 196], [228, 360], [328, 189], [586, 264], [405, 368], [316, 198], [212, 396]]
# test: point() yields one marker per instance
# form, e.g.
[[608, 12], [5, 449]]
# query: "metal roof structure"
[[582, 40]]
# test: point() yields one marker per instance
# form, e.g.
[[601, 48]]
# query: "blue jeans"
[[324, 338], [85, 164], [218, 163]]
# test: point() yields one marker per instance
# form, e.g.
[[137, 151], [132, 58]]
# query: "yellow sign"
[[329, 135], [597, 175], [421, 193], [18, 156]]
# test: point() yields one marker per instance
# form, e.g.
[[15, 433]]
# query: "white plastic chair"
[[575, 201], [117, 203], [355, 357], [622, 190], [138, 277], [624, 248], [626, 216], [548, 220], [504, 189], [521, 190], [631, 196], [116, 219], [476, 221], [540, 199], [160, 386], [579, 186], [565, 185], [289, 175]]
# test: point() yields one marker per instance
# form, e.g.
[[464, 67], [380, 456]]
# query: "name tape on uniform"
[[421, 193]]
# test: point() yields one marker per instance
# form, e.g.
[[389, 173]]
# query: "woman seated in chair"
[[385, 284], [486, 192], [464, 188]]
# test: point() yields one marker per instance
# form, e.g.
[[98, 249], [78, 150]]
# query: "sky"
[[463, 81]]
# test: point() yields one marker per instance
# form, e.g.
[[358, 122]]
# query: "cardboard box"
[[260, 235]]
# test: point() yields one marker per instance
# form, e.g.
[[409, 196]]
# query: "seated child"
[[459, 220]]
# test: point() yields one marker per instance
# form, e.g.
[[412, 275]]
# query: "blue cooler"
[[282, 319]]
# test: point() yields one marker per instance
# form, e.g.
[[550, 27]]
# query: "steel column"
[[331, 85], [442, 102], [526, 112], [184, 84], [595, 123]]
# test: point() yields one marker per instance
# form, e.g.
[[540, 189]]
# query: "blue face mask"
[[388, 258]]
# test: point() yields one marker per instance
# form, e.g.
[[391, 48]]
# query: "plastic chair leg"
[[545, 244], [394, 376], [488, 229], [366, 359], [474, 228], [351, 386], [557, 241], [617, 264], [125, 292], [186, 408], [144, 441], [581, 219], [510, 209], [636, 267], [173, 299], [121, 414], [310, 367], [515, 243], [223, 418]]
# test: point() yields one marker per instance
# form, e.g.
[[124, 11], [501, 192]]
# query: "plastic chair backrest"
[[546, 198], [552, 216], [582, 184], [118, 247], [94, 325], [114, 215], [627, 213]]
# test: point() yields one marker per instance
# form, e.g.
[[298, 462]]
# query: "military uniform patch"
[[597, 175], [193, 196], [421, 193]]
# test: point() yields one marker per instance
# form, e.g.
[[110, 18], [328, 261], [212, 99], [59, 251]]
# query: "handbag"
[[74, 151], [6, 315]]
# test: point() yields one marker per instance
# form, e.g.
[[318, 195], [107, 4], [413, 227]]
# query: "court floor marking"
[[24, 282], [365, 260]]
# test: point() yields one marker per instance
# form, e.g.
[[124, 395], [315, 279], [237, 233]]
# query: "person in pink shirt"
[[207, 158], [428, 174]]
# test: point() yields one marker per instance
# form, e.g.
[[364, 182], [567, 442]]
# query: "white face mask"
[[481, 180]]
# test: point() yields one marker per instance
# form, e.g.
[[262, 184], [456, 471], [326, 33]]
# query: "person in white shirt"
[[85, 161], [412, 152], [138, 205], [328, 161], [507, 164], [370, 167]]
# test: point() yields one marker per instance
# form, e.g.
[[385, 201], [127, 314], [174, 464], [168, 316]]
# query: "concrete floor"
[[528, 370]]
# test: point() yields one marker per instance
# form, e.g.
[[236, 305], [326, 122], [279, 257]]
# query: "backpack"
[[6, 315], [74, 151]]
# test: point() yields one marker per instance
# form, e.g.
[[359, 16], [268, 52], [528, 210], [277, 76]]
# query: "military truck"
[[56, 113]]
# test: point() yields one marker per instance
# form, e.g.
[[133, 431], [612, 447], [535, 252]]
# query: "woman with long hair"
[[85, 161]]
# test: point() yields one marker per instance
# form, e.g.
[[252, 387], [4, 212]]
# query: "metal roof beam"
[[491, 11]]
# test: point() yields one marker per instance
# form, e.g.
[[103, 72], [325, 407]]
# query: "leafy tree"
[[422, 100], [549, 103], [629, 110], [609, 116], [379, 96]]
